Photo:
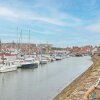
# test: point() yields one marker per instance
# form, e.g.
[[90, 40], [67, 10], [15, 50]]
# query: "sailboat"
[[29, 61]]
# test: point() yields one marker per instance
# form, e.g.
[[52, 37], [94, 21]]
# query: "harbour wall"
[[71, 87]]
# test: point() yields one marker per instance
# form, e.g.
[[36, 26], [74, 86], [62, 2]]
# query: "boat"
[[27, 63], [18, 62], [78, 55], [36, 62], [8, 66], [58, 57], [52, 58], [43, 60]]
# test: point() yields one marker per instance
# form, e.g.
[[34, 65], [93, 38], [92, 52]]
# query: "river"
[[44, 82]]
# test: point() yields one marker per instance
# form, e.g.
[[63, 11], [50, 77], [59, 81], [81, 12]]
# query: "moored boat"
[[36, 63], [27, 63], [43, 60], [58, 57], [8, 66]]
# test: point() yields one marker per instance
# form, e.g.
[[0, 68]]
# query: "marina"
[[44, 82], [49, 50]]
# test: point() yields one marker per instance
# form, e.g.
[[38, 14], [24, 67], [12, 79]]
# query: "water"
[[42, 83]]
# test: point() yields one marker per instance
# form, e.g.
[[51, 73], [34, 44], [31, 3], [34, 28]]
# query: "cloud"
[[46, 19], [5, 12], [94, 28], [55, 17], [18, 15]]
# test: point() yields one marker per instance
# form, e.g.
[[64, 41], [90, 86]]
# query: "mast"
[[21, 40], [17, 40], [2, 52], [0, 45], [29, 42], [41, 51], [17, 44]]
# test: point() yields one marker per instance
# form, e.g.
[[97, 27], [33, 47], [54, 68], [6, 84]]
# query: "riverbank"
[[77, 89]]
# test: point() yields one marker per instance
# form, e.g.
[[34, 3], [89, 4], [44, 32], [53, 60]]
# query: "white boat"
[[18, 62], [27, 63], [47, 57], [8, 66], [53, 58], [43, 60], [57, 57], [36, 62]]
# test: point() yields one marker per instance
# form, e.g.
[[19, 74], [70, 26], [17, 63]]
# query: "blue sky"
[[58, 22]]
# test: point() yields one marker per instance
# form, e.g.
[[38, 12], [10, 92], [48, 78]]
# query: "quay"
[[78, 89]]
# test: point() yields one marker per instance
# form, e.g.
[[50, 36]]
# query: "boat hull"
[[43, 62], [8, 69], [36, 63], [28, 66], [58, 58]]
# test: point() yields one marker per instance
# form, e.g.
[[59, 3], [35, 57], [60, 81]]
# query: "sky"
[[58, 22]]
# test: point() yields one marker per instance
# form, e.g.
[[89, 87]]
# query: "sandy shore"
[[77, 89]]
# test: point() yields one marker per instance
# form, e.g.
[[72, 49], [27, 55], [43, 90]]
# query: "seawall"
[[71, 87]]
